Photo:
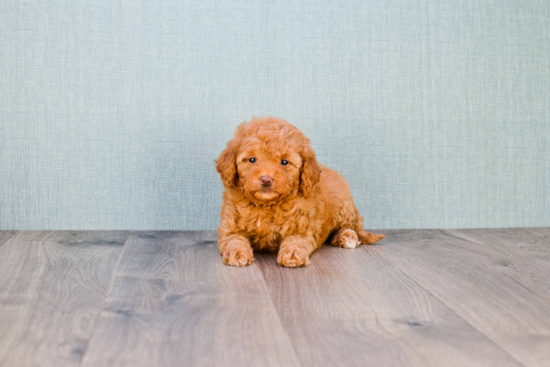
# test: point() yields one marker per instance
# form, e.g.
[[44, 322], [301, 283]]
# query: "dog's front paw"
[[238, 254], [293, 257]]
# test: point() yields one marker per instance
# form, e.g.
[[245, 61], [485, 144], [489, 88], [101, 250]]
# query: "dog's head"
[[268, 160]]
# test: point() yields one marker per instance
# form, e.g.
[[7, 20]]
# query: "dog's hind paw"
[[346, 238]]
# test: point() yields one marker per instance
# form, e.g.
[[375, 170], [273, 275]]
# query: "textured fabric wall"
[[112, 112]]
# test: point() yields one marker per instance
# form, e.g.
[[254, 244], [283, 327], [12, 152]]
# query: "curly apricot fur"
[[304, 204]]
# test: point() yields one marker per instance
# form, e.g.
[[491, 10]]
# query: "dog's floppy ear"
[[310, 172], [226, 165]]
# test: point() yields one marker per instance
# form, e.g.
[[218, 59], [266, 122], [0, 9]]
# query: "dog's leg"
[[295, 250], [346, 238], [236, 250]]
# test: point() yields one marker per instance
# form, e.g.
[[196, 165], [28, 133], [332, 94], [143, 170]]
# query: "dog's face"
[[268, 160], [266, 173]]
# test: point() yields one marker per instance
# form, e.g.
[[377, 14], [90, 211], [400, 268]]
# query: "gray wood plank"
[[354, 308], [52, 286], [173, 302], [543, 232], [523, 244], [495, 292], [5, 235]]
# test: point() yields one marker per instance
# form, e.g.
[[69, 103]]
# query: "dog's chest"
[[266, 228]]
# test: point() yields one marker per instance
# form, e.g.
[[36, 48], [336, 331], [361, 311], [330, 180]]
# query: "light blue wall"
[[112, 113]]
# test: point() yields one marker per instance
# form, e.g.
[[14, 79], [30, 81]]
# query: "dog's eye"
[[252, 160], [284, 162]]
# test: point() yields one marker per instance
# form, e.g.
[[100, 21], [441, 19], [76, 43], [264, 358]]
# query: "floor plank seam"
[[104, 300], [7, 239], [279, 315], [449, 308]]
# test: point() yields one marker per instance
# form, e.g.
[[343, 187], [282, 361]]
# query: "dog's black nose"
[[266, 180]]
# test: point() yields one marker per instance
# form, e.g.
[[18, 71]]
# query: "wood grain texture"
[[173, 302], [523, 244], [5, 235], [542, 232], [354, 308], [496, 293], [52, 285]]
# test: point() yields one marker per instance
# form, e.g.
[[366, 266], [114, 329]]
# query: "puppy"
[[278, 198]]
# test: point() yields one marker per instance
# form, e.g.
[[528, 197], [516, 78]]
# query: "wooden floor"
[[474, 297]]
